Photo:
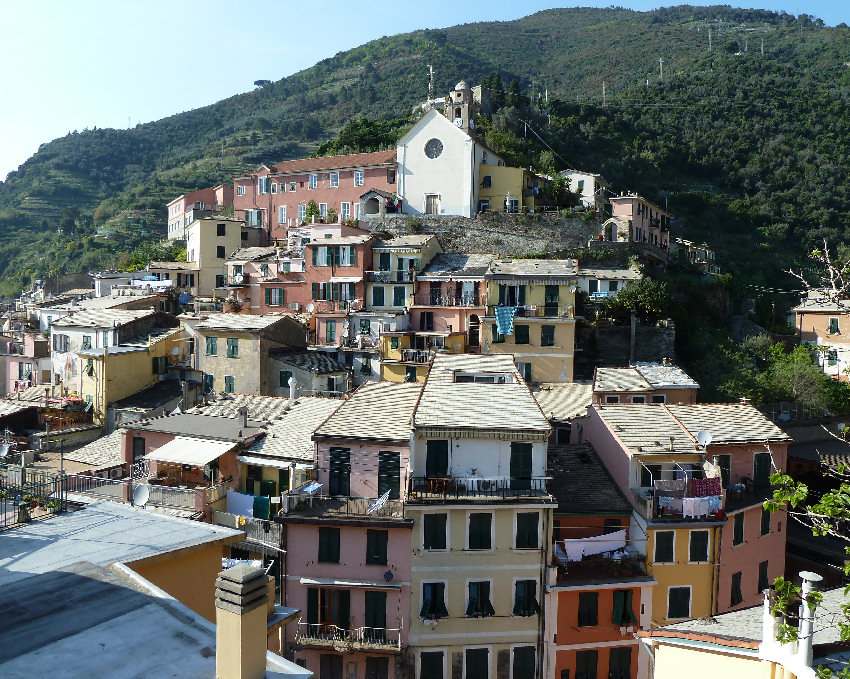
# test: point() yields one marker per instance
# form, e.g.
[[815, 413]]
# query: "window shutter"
[[315, 257], [628, 610], [519, 598], [440, 600], [473, 608], [315, 292], [313, 605], [619, 604], [344, 608], [268, 296], [503, 294], [353, 257], [521, 296], [337, 254]]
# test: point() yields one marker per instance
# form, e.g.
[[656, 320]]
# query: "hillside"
[[748, 150]]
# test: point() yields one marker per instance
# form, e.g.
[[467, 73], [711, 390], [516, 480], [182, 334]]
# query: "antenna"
[[704, 437], [141, 495], [430, 82]]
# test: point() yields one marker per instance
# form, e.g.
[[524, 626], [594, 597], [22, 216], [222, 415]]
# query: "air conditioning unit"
[[294, 306]]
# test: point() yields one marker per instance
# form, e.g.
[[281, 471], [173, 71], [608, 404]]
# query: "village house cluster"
[[394, 433]]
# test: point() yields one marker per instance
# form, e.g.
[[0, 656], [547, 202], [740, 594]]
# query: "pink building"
[[644, 383], [647, 223], [348, 543], [276, 197], [184, 209], [27, 363]]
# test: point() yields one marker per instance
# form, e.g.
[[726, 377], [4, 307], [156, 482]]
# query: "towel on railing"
[[705, 487], [669, 486], [505, 319]]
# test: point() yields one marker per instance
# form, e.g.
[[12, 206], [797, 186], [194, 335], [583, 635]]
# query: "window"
[[232, 347], [274, 296], [588, 609], [498, 338], [410, 373], [399, 295], [765, 521], [612, 399], [284, 377], [376, 547], [480, 528], [736, 596], [524, 368], [345, 211], [738, 529], [378, 295], [281, 214], [285, 266], [274, 187], [433, 601], [678, 602], [520, 466], [334, 177], [434, 531], [390, 176], [212, 346], [547, 335], [725, 464], [833, 326], [358, 177], [292, 187], [339, 471], [525, 598], [526, 530], [389, 473], [328, 606], [431, 665], [586, 664], [580, 186], [312, 181], [240, 190], [832, 357], [698, 547], [477, 663], [761, 470], [328, 544], [323, 210], [484, 205], [436, 458], [478, 600], [209, 381], [659, 398], [302, 212], [61, 342], [620, 663], [138, 448], [648, 473], [262, 185], [159, 365], [664, 546], [426, 321], [219, 252], [521, 334], [376, 667], [86, 342], [229, 384], [486, 181], [330, 331], [623, 613], [764, 583], [524, 662]]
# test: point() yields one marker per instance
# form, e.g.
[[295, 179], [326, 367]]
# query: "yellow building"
[[395, 263], [406, 356], [109, 374], [508, 189], [542, 333]]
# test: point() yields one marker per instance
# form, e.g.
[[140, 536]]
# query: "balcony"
[[421, 356], [477, 487], [360, 342], [120, 490], [652, 509], [308, 506], [545, 311], [744, 494], [428, 299], [390, 276], [341, 640], [261, 531], [601, 568]]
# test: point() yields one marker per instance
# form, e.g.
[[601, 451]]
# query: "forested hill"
[[747, 142]]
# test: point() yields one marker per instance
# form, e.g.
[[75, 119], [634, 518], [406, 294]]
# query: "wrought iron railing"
[[307, 505], [390, 276], [539, 311], [333, 635], [27, 494], [428, 299], [440, 487]]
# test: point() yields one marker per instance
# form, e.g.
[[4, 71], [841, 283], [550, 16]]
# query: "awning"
[[333, 582], [191, 451], [346, 279], [264, 462]]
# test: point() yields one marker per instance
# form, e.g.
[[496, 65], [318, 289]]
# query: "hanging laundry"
[[706, 487], [711, 470], [505, 319], [714, 503]]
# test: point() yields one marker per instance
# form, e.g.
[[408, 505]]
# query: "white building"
[[589, 186]]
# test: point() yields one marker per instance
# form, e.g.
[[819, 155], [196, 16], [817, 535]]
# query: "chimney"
[[241, 611], [807, 619], [745, 401], [291, 388], [243, 417]]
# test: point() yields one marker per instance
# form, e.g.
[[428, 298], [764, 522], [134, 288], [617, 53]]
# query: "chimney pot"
[[241, 603]]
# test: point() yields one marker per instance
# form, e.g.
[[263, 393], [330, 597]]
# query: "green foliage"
[[148, 252], [362, 135], [647, 297], [312, 210], [558, 194]]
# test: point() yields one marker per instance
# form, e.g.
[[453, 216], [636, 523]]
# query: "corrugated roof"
[[375, 411], [447, 265], [728, 422], [102, 318], [290, 436], [104, 452], [318, 362], [580, 482], [562, 401], [475, 405], [532, 267], [619, 379], [354, 160]]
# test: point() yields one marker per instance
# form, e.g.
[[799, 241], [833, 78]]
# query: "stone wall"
[[510, 235], [610, 345]]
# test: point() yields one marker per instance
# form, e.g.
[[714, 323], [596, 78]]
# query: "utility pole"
[[603, 94], [762, 46], [709, 40], [661, 66], [430, 82]]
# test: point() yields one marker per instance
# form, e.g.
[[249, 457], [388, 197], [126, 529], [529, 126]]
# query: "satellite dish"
[[311, 307], [704, 437], [175, 351], [238, 278], [141, 495]]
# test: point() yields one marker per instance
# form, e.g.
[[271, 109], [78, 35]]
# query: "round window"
[[433, 148]]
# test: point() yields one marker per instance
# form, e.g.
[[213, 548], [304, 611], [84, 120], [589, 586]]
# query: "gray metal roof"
[[533, 267], [375, 411], [202, 426], [290, 436], [475, 405], [452, 265], [102, 318], [318, 362], [130, 296], [154, 396], [561, 401], [103, 452]]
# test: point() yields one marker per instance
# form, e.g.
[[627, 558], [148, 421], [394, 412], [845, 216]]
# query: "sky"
[[92, 63]]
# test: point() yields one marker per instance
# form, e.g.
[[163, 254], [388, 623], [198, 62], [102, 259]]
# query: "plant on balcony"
[[234, 305], [312, 210]]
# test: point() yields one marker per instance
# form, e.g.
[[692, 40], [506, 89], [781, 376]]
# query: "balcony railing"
[[416, 355], [428, 299], [119, 489], [340, 507], [257, 530], [542, 311], [602, 566], [390, 276], [360, 638], [360, 342], [440, 487]]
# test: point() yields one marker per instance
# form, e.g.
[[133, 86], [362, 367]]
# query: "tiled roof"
[[251, 254], [290, 435], [104, 452], [649, 428], [102, 318], [318, 362], [562, 401], [353, 160], [151, 397], [410, 241], [580, 482], [244, 322], [619, 379], [376, 410], [533, 267], [457, 264], [475, 405], [8, 407], [341, 240], [260, 408], [662, 376], [173, 266], [606, 273]]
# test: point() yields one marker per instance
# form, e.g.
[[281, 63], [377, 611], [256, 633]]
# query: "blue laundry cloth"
[[505, 319], [714, 503]]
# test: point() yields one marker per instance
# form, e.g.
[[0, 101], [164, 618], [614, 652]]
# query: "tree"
[[311, 211], [557, 193], [833, 275], [647, 297]]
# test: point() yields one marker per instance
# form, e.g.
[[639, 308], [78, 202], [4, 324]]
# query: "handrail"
[[378, 636], [428, 487]]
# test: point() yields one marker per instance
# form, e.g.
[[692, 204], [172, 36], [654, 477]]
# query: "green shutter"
[[353, 258], [315, 291], [313, 605], [521, 296], [268, 296], [344, 608], [619, 605], [315, 250], [337, 254], [503, 294]]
